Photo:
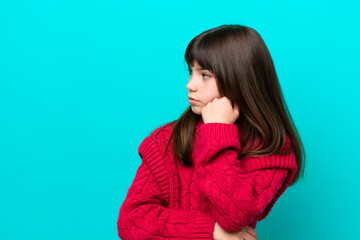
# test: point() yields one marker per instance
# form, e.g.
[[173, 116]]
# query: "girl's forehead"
[[197, 67], [195, 64]]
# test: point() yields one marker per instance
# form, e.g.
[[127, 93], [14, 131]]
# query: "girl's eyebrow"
[[199, 69]]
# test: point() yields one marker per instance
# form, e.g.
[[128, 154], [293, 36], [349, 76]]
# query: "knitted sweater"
[[170, 201]]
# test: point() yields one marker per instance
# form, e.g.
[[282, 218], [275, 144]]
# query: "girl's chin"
[[196, 110]]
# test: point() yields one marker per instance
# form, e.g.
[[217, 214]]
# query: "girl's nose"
[[190, 85]]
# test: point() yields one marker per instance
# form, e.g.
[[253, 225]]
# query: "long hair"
[[245, 74]]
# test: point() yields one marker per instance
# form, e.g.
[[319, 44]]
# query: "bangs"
[[202, 51]]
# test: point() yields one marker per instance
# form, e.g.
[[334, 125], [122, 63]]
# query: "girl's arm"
[[240, 191], [143, 214]]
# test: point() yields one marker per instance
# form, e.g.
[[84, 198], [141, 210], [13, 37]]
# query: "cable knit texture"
[[170, 201]]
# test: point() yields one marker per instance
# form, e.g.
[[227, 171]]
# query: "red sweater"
[[169, 201]]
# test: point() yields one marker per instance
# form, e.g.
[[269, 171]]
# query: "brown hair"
[[245, 74]]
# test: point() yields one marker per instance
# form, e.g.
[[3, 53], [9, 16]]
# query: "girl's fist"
[[220, 110]]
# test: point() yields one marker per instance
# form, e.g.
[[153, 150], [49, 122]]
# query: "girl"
[[218, 169]]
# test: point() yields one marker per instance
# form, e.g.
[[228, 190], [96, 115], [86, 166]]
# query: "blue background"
[[82, 83]]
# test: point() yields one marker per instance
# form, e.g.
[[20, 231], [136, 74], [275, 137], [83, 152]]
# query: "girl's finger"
[[251, 231], [236, 107], [245, 236]]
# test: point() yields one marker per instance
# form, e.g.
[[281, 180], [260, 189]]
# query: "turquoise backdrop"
[[82, 83]]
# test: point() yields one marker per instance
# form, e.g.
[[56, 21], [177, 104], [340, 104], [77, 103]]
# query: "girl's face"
[[201, 87]]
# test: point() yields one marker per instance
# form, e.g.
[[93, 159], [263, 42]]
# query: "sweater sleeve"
[[240, 191], [143, 214]]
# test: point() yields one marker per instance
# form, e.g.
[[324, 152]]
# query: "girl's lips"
[[192, 100]]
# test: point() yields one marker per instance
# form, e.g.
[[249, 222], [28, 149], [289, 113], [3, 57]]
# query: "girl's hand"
[[246, 233], [220, 110]]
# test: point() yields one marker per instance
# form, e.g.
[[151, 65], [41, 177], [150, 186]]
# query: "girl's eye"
[[205, 75]]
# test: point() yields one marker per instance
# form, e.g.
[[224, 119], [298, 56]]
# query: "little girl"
[[218, 169]]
